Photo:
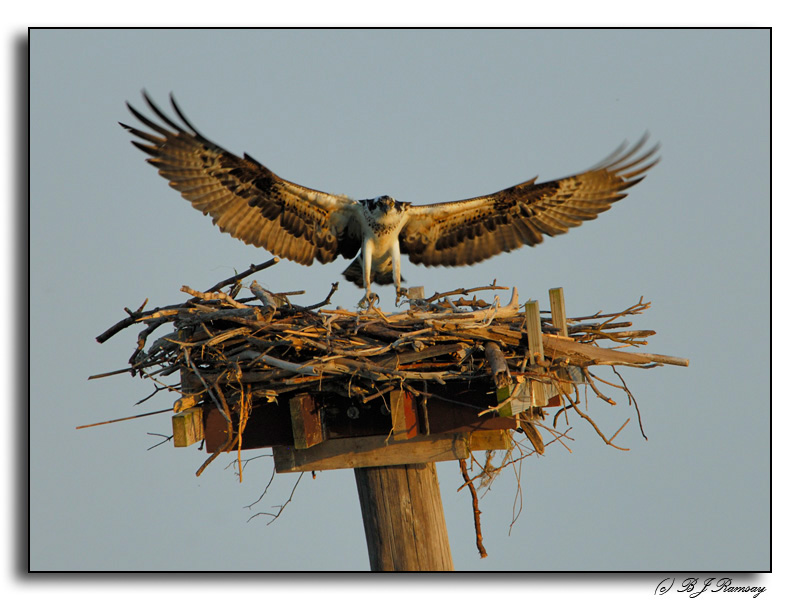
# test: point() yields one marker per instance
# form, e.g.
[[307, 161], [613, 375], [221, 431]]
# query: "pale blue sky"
[[424, 116]]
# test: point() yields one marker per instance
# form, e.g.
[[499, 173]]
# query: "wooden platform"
[[379, 450]]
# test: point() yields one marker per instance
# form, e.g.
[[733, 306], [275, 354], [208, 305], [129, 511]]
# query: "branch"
[[593, 424], [475, 512], [243, 274], [280, 507], [134, 316], [155, 412], [464, 292]]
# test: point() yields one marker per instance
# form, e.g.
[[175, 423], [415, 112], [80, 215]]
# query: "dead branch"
[[280, 507], [476, 513], [239, 276], [149, 414]]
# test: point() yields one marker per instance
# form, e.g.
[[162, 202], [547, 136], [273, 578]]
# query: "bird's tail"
[[380, 274]]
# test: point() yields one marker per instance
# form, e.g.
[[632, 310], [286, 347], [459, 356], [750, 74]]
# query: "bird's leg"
[[401, 293], [398, 282], [369, 298]]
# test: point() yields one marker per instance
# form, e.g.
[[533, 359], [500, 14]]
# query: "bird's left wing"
[[245, 198], [469, 231]]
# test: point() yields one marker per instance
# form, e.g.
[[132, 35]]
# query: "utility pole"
[[403, 518]]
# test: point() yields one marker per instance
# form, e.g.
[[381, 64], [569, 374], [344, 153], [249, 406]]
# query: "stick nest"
[[267, 347]]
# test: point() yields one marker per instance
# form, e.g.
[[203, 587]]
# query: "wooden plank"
[[533, 325], [404, 415], [532, 392], [187, 427], [539, 397], [306, 421], [520, 393], [378, 450], [498, 439], [371, 451], [558, 311], [542, 392], [416, 293]]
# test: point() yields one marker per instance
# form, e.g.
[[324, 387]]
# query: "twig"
[[164, 441], [325, 302], [280, 507], [464, 292], [158, 389], [155, 412], [632, 399], [593, 424], [590, 380], [476, 513], [243, 274], [266, 487], [213, 296], [517, 496]]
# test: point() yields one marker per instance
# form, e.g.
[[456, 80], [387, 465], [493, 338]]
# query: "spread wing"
[[469, 231], [246, 199]]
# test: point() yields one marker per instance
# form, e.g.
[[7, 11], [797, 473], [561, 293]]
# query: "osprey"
[[253, 204]]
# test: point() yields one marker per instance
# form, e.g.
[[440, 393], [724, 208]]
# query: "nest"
[[240, 352]]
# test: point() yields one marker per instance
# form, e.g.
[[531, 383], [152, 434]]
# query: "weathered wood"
[[268, 425], [586, 354], [462, 415], [499, 439], [497, 362], [542, 392], [533, 325], [509, 397], [404, 523], [404, 415], [416, 292], [558, 311], [187, 427], [192, 389], [379, 450], [533, 435], [307, 428]]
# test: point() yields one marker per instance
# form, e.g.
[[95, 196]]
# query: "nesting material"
[[236, 351]]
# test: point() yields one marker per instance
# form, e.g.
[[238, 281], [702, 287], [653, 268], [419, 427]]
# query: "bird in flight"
[[248, 201]]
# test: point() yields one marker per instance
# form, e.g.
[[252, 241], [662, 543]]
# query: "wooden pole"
[[403, 518]]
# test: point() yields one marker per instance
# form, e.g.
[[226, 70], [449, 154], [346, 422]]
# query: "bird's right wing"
[[469, 231], [246, 199]]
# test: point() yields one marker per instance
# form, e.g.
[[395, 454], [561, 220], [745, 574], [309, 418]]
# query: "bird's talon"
[[369, 300], [401, 293]]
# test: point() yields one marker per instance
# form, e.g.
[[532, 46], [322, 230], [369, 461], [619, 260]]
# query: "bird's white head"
[[384, 213], [384, 206], [381, 204]]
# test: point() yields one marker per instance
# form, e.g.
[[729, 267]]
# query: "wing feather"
[[470, 231], [244, 198]]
